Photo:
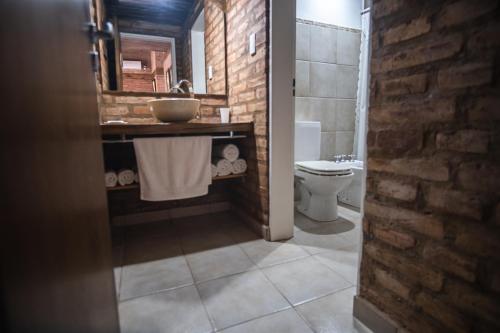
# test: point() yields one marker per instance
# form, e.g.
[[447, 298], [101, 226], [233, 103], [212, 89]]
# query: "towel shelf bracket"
[[231, 135]]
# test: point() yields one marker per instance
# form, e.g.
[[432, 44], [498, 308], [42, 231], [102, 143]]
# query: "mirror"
[[159, 43], [147, 63]]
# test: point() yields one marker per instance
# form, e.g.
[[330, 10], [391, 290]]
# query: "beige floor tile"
[[238, 298], [340, 302], [202, 241], [151, 249], [305, 279], [150, 277], [175, 311], [282, 322], [264, 253], [212, 264], [332, 313], [343, 261], [319, 240]]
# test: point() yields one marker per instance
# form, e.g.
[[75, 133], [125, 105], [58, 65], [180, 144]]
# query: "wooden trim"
[[118, 58], [170, 214], [174, 128]]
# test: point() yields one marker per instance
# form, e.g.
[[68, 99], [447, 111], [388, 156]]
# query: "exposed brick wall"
[[247, 97], [138, 81], [431, 249], [134, 109]]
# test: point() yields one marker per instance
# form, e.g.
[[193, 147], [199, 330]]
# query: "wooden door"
[[56, 266]]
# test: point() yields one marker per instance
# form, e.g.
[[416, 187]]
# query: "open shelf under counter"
[[136, 186], [166, 129]]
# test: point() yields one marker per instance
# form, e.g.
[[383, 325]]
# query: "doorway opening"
[[328, 129]]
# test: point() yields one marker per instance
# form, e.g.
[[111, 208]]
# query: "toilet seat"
[[324, 168]]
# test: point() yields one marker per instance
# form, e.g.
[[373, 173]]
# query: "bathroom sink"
[[174, 109]]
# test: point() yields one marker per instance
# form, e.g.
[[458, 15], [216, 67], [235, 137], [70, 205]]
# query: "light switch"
[[210, 73], [252, 44]]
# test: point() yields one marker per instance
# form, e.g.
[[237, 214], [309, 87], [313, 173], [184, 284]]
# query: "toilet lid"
[[324, 167]]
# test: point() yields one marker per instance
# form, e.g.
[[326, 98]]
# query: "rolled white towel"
[[239, 166], [214, 170], [228, 151], [110, 178], [224, 167], [125, 177], [136, 178]]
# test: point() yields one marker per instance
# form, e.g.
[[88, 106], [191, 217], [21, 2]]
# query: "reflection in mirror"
[[162, 43], [147, 62], [198, 54]]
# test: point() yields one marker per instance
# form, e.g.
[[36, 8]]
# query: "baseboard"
[[371, 317], [260, 229], [168, 214]]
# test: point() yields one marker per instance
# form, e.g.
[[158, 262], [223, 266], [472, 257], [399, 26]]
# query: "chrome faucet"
[[183, 87], [343, 158]]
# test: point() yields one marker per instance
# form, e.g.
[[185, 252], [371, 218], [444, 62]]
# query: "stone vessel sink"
[[170, 110]]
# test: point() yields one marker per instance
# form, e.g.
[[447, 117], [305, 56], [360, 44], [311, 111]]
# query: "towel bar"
[[231, 135]]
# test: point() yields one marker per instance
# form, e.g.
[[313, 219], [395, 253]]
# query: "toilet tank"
[[307, 140]]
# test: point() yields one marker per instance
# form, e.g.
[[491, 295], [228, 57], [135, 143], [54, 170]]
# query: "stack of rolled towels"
[[226, 161], [122, 178]]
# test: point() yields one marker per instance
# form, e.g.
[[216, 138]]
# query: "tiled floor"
[[215, 275]]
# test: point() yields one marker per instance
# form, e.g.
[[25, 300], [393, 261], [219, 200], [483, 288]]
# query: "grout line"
[[328, 63], [326, 295], [308, 324], [256, 318], [156, 292], [257, 268], [212, 322]]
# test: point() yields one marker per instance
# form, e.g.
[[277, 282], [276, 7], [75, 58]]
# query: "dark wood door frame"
[[56, 265]]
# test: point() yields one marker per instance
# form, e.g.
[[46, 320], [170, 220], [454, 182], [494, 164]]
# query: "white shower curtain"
[[363, 88]]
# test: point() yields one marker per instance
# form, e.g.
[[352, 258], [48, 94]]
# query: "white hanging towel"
[[228, 151], [239, 166], [224, 167], [173, 168], [125, 177]]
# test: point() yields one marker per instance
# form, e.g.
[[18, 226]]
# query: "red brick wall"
[[247, 97], [141, 81], [431, 251], [134, 109]]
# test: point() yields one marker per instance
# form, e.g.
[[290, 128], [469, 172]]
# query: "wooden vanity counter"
[[124, 200], [175, 128]]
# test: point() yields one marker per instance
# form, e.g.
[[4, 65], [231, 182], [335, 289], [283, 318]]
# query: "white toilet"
[[318, 182]]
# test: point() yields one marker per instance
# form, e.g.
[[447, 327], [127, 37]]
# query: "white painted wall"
[[281, 118], [344, 13]]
